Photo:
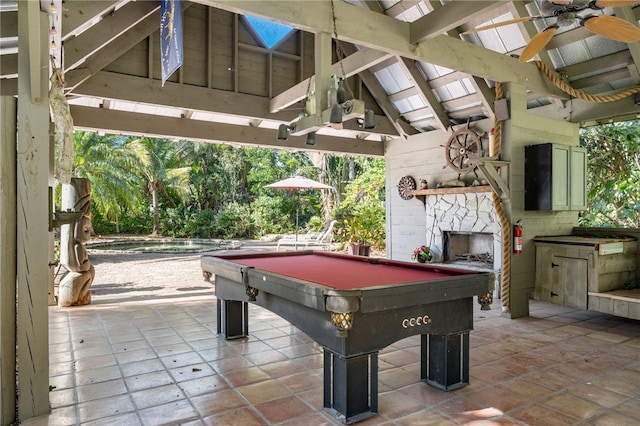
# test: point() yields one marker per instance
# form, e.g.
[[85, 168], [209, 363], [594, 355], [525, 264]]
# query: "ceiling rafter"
[[377, 91], [352, 64], [104, 32], [79, 13], [363, 27], [448, 17]]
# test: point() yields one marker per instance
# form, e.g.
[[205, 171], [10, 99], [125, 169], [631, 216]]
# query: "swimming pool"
[[164, 245]]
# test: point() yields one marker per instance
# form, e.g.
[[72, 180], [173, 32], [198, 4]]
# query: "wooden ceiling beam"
[[445, 18], [148, 125]]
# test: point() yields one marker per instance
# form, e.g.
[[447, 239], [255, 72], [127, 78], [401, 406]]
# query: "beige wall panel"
[[285, 74], [290, 44], [252, 73], [195, 27], [135, 61], [246, 36]]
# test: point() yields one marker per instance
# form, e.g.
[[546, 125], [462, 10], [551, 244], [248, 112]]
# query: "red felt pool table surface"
[[345, 272]]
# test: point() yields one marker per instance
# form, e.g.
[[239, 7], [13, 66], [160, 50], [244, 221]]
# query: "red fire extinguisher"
[[517, 238]]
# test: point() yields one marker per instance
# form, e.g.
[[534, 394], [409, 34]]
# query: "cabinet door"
[[555, 177], [569, 287], [560, 177], [578, 178]]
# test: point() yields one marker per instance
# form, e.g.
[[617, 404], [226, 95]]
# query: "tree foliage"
[[613, 174], [194, 189]]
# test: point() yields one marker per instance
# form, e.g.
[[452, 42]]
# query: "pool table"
[[354, 306]]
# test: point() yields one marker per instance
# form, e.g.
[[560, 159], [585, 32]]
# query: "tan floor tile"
[[83, 364], [148, 380], [189, 372], [157, 396], [598, 395], [207, 384], [107, 407], [542, 416], [240, 416], [134, 356], [263, 391], [282, 409], [140, 367], [181, 359], [426, 417], [573, 406], [100, 390], [169, 414], [129, 419], [213, 403], [614, 419], [302, 381], [97, 375]]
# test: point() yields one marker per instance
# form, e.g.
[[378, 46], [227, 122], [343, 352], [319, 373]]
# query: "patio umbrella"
[[298, 183]]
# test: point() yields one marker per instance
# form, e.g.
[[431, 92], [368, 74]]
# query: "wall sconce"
[[284, 129]]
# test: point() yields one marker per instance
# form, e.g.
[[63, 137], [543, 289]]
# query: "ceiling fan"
[[566, 13]]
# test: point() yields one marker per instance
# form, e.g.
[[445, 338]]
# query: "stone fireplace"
[[463, 231], [474, 248]]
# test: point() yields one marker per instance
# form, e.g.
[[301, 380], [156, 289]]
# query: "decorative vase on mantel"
[[423, 258]]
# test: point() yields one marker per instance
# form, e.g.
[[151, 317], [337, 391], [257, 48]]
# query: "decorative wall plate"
[[406, 185]]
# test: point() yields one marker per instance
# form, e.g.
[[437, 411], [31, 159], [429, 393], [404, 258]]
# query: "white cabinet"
[[555, 177]]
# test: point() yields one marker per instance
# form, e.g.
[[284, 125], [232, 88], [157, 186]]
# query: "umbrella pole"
[[297, 208]]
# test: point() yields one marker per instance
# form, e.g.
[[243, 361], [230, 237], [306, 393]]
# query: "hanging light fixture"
[[341, 104], [284, 129], [311, 138], [369, 119], [53, 8], [53, 31]]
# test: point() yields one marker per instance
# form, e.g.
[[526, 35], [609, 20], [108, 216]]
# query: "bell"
[[369, 119], [336, 114], [311, 138], [283, 132]]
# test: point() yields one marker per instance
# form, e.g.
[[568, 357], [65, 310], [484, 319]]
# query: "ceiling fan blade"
[[503, 23], [601, 4], [612, 27], [537, 43]]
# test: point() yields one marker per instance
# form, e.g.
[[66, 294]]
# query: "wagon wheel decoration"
[[406, 185], [462, 150]]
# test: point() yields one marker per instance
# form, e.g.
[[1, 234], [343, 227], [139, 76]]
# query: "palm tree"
[[107, 161], [161, 170]]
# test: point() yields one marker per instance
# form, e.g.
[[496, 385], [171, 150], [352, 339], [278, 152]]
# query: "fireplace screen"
[[476, 247]]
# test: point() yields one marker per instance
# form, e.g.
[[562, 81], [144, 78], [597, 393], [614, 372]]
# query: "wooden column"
[[8, 121], [32, 223]]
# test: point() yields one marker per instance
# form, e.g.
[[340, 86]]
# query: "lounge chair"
[[323, 239]]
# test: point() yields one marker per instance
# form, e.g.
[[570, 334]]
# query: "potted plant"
[[365, 227], [422, 254], [358, 234]]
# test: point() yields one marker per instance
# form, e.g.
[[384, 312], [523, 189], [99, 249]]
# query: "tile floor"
[[157, 361]]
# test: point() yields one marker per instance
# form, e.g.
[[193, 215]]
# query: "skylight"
[[271, 33]]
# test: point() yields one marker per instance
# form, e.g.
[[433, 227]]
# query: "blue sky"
[[270, 32]]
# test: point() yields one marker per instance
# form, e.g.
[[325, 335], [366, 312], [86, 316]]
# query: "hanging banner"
[[170, 37]]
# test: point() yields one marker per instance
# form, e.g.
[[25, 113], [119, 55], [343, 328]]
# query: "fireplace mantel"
[[421, 194]]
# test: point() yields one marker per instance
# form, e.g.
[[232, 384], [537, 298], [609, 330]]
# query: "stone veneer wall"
[[470, 212]]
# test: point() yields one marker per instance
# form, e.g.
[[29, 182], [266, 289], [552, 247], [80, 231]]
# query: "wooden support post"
[[8, 124], [32, 215]]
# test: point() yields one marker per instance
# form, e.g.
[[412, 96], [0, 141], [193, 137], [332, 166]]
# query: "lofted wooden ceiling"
[[410, 61]]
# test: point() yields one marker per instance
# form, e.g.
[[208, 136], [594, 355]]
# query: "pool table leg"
[[233, 318], [351, 386], [444, 360]]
